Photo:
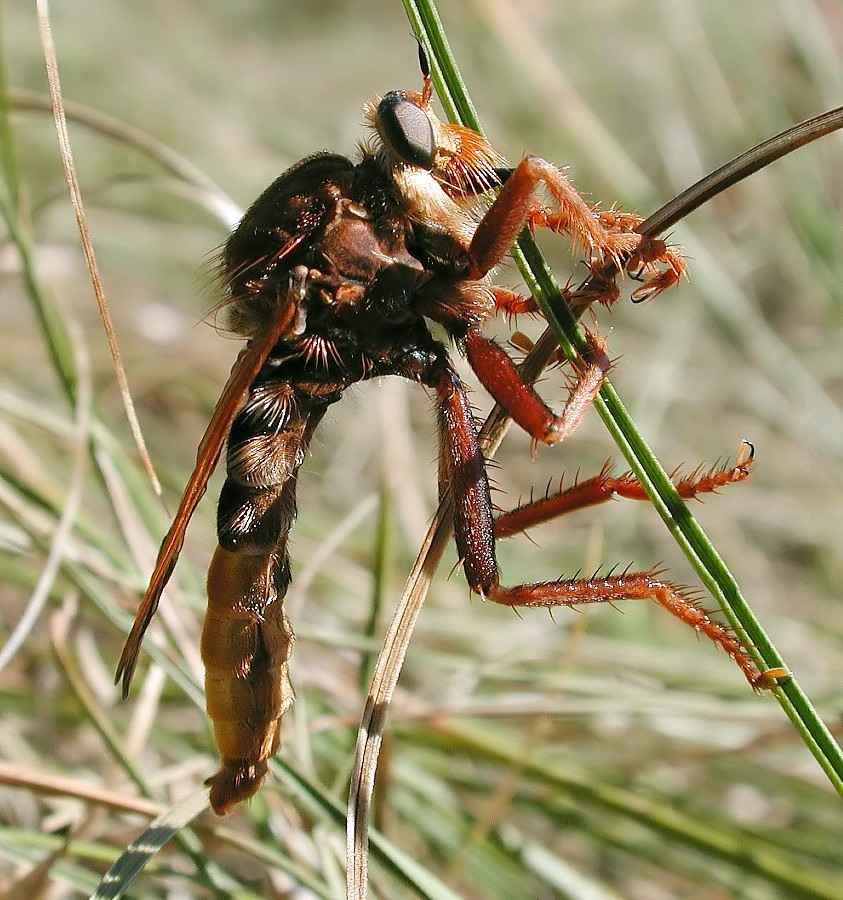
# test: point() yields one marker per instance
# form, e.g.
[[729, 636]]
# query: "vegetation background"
[[599, 754]]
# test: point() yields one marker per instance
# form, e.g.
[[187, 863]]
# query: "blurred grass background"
[[527, 758]]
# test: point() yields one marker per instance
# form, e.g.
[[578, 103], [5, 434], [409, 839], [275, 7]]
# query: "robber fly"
[[331, 276]]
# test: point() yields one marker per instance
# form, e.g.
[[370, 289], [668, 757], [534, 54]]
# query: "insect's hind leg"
[[644, 585], [463, 467]]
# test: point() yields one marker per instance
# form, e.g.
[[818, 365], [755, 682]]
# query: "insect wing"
[[244, 372]]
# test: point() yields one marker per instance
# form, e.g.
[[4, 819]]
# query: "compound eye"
[[406, 130]]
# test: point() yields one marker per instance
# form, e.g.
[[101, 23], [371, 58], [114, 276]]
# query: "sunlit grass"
[[526, 756]]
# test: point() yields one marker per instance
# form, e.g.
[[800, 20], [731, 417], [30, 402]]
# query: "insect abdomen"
[[246, 645], [247, 638]]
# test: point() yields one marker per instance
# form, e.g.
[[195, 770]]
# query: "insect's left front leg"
[[609, 235]]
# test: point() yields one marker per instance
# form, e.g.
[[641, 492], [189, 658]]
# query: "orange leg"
[[655, 263], [609, 236], [511, 303], [499, 375], [604, 486], [646, 585], [462, 467]]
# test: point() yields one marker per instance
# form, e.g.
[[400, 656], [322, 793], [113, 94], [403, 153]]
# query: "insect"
[[331, 276]]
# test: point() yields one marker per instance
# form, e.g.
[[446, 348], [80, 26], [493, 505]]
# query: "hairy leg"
[[609, 236]]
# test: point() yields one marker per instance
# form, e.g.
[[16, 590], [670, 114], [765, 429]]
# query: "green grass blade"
[[683, 527]]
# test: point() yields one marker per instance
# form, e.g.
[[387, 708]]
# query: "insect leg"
[[511, 303], [462, 467], [604, 486], [501, 378], [646, 585], [654, 262], [475, 539], [608, 235]]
